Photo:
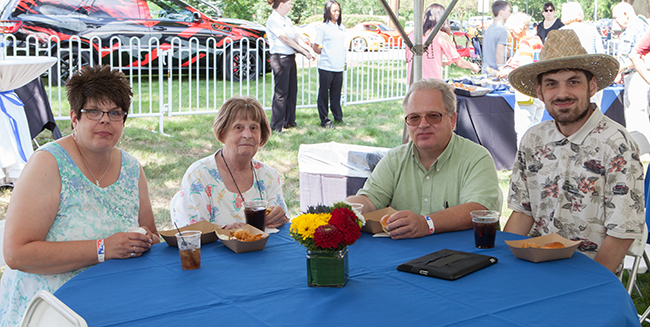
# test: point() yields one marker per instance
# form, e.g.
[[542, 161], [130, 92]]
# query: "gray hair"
[[572, 12], [431, 84]]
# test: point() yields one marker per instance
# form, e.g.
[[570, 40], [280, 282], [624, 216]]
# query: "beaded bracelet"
[[432, 228]]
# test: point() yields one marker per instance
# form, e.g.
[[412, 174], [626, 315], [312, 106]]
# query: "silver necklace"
[[91, 172]]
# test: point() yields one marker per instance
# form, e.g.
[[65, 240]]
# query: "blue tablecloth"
[[269, 288]]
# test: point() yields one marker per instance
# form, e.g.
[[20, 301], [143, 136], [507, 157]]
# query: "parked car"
[[133, 33], [355, 40], [480, 22], [390, 35]]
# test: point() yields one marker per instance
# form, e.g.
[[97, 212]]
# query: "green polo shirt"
[[463, 173]]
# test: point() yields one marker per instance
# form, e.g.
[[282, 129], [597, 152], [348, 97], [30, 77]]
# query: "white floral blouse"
[[203, 195]]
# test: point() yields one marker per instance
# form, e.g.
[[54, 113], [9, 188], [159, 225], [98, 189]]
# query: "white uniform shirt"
[[277, 25], [331, 37]]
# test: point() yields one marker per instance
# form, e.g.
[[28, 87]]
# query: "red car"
[[391, 36], [132, 34]]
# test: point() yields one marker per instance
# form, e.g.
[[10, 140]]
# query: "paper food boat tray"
[[207, 232], [239, 246], [541, 255]]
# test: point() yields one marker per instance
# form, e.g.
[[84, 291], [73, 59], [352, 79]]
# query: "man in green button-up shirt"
[[438, 178]]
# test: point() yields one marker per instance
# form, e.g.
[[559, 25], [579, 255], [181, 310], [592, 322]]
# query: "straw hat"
[[562, 50]]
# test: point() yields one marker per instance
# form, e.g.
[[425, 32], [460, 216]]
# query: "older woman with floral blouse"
[[215, 188]]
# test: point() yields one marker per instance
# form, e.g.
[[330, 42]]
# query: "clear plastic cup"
[[189, 247]]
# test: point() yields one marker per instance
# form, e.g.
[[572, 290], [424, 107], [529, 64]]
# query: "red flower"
[[328, 236], [208, 190], [346, 221]]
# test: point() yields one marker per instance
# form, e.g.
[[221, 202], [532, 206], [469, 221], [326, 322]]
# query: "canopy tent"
[[418, 47]]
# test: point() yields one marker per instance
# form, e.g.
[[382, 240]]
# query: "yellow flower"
[[306, 224]]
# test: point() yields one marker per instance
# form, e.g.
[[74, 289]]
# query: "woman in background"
[[572, 17], [330, 45], [549, 23], [284, 42], [442, 45], [215, 187]]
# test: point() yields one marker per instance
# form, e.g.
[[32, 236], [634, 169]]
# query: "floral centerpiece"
[[326, 231]]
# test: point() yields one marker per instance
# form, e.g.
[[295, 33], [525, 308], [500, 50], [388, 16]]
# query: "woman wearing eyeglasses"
[[549, 23], [76, 198]]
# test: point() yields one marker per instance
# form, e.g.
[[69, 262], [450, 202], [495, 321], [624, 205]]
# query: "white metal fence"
[[164, 84]]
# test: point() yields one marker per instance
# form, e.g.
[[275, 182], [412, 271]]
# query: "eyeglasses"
[[96, 114], [549, 10], [432, 117]]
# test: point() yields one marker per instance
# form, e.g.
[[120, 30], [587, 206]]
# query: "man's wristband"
[[100, 250], [432, 228]]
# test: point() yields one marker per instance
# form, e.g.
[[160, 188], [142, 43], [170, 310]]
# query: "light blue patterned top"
[[86, 212]]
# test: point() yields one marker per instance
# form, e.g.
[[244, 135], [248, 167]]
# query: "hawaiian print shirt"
[[583, 187]]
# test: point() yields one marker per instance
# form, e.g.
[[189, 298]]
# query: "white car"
[[355, 40]]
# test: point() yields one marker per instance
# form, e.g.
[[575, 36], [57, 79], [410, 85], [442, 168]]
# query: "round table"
[[269, 288]]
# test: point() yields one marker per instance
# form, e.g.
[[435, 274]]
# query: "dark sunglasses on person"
[[432, 117], [549, 10], [96, 114]]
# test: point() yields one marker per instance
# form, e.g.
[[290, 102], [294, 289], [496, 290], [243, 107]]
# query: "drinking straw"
[[181, 234], [185, 243]]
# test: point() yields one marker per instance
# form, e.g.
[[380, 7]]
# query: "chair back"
[[172, 207], [646, 184], [46, 310], [2, 234]]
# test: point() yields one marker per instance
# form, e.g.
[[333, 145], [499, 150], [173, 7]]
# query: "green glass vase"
[[327, 268]]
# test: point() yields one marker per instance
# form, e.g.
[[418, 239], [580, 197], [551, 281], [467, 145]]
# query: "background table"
[[269, 288], [490, 121]]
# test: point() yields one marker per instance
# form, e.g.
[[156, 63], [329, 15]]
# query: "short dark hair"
[[589, 75], [431, 17], [327, 15], [548, 5], [99, 84], [499, 5]]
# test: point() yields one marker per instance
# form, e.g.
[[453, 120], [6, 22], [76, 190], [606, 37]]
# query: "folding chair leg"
[[632, 280], [645, 315]]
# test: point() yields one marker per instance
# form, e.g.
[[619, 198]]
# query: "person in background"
[[549, 23], [635, 96], [528, 110], [578, 175], [572, 18], [436, 179], [330, 45], [284, 42], [495, 41], [215, 188], [76, 197], [442, 44], [640, 59]]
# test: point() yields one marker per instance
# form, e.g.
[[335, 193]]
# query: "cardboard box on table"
[[209, 233], [541, 255], [373, 226], [330, 172]]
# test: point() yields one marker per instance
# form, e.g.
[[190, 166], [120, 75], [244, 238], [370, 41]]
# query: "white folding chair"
[[172, 207], [636, 260], [2, 234], [46, 310]]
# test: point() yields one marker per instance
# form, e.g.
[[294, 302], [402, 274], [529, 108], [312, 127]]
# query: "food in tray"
[[530, 245], [243, 235], [384, 223], [553, 245], [463, 86]]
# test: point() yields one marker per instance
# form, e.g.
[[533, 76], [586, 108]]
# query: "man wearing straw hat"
[[578, 175]]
